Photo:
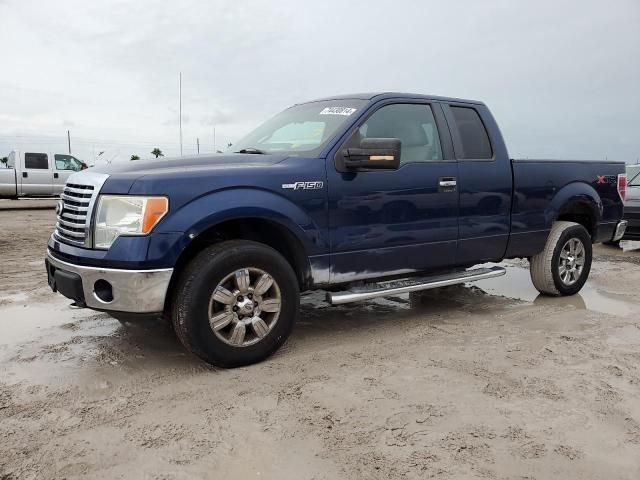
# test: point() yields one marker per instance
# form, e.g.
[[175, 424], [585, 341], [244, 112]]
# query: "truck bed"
[[542, 187]]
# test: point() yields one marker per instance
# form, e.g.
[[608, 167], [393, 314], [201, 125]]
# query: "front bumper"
[[109, 289]]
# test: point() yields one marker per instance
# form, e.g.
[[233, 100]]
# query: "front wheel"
[[563, 267], [236, 303]]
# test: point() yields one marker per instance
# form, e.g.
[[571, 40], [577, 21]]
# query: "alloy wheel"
[[244, 307]]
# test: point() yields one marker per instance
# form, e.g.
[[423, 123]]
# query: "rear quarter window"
[[36, 161], [473, 134]]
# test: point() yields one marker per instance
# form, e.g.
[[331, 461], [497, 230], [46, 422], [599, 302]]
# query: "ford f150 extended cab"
[[360, 195], [37, 174]]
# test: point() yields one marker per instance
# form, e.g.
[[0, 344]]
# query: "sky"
[[561, 77]]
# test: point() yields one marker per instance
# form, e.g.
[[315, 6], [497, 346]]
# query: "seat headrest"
[[411, 135]]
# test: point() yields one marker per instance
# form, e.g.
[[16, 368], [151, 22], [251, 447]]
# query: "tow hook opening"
[[103, 291]]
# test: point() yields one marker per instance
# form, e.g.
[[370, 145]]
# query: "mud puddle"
[[516, 284], [23, 323], [53, 343]]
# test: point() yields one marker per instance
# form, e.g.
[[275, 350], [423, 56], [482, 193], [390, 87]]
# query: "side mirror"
[[374, 154]]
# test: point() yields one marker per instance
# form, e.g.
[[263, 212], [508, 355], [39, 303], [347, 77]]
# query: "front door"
[[64, 166], [391, 222], [36, 176]]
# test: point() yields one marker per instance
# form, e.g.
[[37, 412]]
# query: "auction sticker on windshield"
[[337, 111]]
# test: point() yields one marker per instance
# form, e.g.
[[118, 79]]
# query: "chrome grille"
[[72, 213], [76, 207]]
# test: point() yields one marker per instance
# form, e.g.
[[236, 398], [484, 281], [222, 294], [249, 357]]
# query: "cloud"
[[560, 85], [217, 117], [174, 120]]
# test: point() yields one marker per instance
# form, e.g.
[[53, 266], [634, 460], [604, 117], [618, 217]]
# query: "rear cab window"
[[474, 139], [36, 161]]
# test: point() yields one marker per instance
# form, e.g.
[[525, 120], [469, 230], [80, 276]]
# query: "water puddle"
[[517, 284], [51, 343], [27, 322]]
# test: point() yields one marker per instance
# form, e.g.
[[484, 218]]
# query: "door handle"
[[25, 174], [448, 182], [55, 175]]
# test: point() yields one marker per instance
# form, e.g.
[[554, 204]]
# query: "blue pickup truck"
[[360, 195]]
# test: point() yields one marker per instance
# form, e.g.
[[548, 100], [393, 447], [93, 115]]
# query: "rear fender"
[[573, 195]]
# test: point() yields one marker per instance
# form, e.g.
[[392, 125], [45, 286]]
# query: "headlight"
[[126, 215]]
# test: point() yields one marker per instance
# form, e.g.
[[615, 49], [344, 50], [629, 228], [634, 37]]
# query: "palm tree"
[[135, 157], [157, 152], [4, 161]]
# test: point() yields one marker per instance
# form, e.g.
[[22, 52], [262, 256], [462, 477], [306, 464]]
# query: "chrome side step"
[[384, 289]]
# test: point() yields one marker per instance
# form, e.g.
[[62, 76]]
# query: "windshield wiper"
[[256, 151]]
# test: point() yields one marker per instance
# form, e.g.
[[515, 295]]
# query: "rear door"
[[392, 222], [36, 177], [484, 181]]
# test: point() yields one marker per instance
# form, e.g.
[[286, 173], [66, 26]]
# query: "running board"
[[384, 289]]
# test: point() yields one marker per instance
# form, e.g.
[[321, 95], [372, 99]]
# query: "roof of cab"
[[386, 95]]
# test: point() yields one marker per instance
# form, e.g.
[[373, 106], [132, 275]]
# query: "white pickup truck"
[[37, 174]]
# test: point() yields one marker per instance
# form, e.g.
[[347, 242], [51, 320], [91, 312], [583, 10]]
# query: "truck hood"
[[161, 166], [123, 176]]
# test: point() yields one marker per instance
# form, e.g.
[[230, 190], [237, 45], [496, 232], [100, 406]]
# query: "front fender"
[[572, 194], [214, 208]]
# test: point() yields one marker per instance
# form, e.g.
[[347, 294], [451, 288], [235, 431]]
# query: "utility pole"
[[214, 140], [180, 107], [69, 141], [198, 145]]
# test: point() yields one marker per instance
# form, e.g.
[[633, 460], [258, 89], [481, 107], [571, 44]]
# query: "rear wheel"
[[563, 267], [613, 243], [235, 303]]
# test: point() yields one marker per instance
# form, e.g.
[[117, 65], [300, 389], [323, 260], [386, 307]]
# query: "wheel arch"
[[263, 230], [577, 202]]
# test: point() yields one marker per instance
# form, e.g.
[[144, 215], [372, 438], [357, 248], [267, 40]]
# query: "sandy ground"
[[484, 381], [28, 204]]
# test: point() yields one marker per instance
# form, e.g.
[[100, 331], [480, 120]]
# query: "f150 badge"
[[303, 185]]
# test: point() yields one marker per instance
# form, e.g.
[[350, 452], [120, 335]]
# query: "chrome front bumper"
[[620, 229], [135, 291]]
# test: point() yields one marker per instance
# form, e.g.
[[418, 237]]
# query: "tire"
[[215, 270], [546, 270], [612, 243]]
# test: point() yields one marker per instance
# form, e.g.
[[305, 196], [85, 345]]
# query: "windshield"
[[300, 130]]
